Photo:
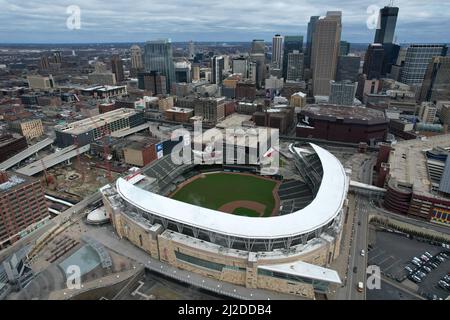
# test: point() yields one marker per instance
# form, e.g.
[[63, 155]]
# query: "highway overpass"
[[11, 162], [52, 160]]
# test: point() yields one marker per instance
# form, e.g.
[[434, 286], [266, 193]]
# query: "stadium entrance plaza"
[[108, 238]]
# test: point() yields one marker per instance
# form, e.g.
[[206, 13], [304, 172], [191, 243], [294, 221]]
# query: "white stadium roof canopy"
[[323, 209]]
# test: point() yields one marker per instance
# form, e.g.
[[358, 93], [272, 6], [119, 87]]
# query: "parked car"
[[415, 279], [407, 268], [414, 262], [428, 255], [443, 285], [421, 274], [424, 258], [426, 269]]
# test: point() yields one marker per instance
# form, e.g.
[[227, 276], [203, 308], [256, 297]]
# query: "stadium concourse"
[[288, 252]]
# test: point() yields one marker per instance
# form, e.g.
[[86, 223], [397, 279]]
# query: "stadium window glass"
[[199, 262]]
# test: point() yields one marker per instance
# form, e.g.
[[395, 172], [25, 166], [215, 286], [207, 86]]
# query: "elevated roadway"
[[52, 160], [11, 162]]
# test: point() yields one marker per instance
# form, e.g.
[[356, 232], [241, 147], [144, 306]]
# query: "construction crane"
[[48, 178], [80, 165]]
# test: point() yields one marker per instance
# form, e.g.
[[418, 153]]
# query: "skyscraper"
[[152, 81], [258, 56], [373, 61], [217, 65], [277, 51], [183, 72], [436, 83], [191, 50], [240, 65], [309, 39], [342, 93], [348, 68], [391, 51], [325, 51], [117, 68], [295, 66], [44, 63], [387, 21], [418, 56], [158, 57], [258, 46], [291, 43], [136, 60], [344, 48], [57, 57], [384, 35]]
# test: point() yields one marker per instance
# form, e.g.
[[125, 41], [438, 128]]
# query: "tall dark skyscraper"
[[291, 43], [309, 38], [373, 62], [152, 81], [117, 68], [348, 68], [258, 56], [217, 66], [384, 35], [387, 21], [158, 57]]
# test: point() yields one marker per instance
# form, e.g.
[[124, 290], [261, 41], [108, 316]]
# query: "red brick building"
[[10, 144], [22, 205]]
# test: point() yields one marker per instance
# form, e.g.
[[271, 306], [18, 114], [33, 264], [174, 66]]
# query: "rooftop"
[[100, 120], [306, 270], [14, 181], [347, 113], [408, 162]]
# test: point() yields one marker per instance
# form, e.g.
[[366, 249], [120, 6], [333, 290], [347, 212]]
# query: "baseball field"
[[235, 193]]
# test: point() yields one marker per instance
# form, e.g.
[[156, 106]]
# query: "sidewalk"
[[341, 264]]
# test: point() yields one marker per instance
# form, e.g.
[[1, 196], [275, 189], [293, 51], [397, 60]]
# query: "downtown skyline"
[[222, 21]]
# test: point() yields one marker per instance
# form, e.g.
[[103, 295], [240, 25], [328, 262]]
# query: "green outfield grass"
[[215, 190], [246, 212]]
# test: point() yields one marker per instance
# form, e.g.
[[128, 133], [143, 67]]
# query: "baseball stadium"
[[234, 224]]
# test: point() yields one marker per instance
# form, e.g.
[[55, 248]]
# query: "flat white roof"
[[306, 270], [322, 210]]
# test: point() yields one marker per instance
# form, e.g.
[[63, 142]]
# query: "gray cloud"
[[222, 20]]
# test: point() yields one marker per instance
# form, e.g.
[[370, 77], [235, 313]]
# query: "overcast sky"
[[210, 20]]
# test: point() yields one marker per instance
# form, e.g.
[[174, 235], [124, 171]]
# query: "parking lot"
[[393, 252]]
